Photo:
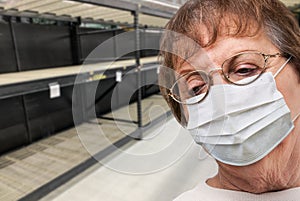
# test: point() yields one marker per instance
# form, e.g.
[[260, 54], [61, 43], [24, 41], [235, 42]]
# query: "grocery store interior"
[[81, 114]]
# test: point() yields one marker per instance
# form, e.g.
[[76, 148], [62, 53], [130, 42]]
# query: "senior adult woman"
[[238, 90]]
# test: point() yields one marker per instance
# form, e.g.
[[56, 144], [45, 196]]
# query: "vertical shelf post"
[[139, 73], [17, 56]]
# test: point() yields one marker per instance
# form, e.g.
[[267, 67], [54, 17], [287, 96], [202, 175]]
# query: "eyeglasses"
[[240, 69]]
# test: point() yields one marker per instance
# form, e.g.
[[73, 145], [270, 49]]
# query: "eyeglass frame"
[[220, 70]]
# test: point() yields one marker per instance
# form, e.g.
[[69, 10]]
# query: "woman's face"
[[280, 167]]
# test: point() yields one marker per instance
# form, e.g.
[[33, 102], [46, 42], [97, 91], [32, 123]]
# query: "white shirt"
[[203, 192]]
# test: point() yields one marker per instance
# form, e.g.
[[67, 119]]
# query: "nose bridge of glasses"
[[216, 76]]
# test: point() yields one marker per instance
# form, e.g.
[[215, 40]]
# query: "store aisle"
[[123, 178]]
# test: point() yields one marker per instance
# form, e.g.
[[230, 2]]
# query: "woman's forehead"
[[225, 47], [205, 36]]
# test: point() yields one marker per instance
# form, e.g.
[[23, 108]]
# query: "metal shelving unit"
[[23, 91]]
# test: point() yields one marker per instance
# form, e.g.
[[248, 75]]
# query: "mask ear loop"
[[279, 70], [296, 117], [283, 65]]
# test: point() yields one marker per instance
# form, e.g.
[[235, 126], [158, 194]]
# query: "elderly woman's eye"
[[246, 70], [197, 90]]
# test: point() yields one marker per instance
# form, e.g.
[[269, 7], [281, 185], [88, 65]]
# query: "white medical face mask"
[[239, 125]]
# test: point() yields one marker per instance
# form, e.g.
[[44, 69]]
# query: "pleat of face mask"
[[254, 148], [236, 122], [246, 133]]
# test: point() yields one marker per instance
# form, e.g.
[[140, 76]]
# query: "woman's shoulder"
[[203, 192], [194, 194], [188, 196]]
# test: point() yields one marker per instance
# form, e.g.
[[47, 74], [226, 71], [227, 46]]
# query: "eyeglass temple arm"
[[283, 65]]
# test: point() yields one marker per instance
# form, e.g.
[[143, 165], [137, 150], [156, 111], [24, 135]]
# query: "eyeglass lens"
[[191, 85], [246, 65]]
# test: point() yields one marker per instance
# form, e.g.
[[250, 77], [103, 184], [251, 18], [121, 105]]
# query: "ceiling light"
[[68, 1], [163, 3]]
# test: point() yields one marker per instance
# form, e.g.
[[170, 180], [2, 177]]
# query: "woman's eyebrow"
[[183, 69]]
